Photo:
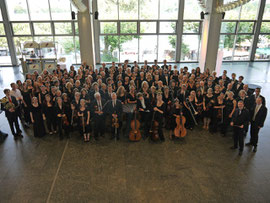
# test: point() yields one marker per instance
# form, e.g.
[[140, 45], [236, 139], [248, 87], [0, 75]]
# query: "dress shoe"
[[255, 149], [240, 153], [248, 144], [233, 147]]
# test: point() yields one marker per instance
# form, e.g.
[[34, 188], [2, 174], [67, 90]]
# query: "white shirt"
[[16, 93], [257, 108]]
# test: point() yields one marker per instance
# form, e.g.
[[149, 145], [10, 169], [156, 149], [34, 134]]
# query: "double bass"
[[115, 125], [135, 134], [180, 130]]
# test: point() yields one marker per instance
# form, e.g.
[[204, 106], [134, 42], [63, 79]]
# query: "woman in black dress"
[[159, 109], [176, 112], [84, 117], [217, 116], [59, 110], [208, 102], [36, 118], [131, 100], [26, 103], [49, 114]]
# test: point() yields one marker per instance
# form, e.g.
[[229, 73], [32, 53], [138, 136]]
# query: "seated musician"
[[145, 109], [176, 112], [114, 109]]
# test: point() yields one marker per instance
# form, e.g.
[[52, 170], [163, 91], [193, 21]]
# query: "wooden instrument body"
[[65, 120], [154, 130], [135, 134], [180, 130]]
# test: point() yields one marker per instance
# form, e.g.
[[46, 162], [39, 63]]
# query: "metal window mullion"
[[179, 30], [257, 30]]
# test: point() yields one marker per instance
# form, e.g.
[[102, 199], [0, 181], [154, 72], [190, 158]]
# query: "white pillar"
[[86, 35], [210, 36]]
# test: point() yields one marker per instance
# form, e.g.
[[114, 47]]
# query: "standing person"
[[99, 116], [131, 101], [49, 114], [258, 114], [208, 103], [159, 109], [239, 121], [9, 104], [114, 109], [84, 116], [59, 110], [37, 118]]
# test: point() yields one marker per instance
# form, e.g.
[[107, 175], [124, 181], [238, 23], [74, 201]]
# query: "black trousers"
[[238, 137], [51, 123], [254, 132], [13, 120], [99, 125], [146, 118]]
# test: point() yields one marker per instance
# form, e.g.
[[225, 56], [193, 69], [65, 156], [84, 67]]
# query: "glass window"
[[21, 28], [109, 48], [169, 9], [128, 48], [266, 14], [148, 27], [43, 39], [190, 47], [232, 14], [63, 28], [128, 27], [228, 27], [78, 52], [1, 15], [226, 44], [242, 47], [192, 10], [42, 28], [263, 47], [108, 10], [148, 47], [167, 27], [148, 9], [19, 41], [17, 10], [191, 27], [76, 28], [128, 9], [249, 11], [4, 52], [60, 10], [245, 27], [108, 27], [65, 48], [39, 10], [2, 29], [265, 27], [166, 47]]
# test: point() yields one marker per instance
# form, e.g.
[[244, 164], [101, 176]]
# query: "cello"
[[154, 129], [135, 134], [180, 130]]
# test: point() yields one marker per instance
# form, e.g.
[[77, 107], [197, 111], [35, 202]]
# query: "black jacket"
[[260, 116], [242, 119], [7, 112]]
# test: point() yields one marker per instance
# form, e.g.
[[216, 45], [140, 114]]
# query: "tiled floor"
[[200, 169]]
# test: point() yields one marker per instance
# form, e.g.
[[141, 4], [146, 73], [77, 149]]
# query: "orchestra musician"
[[159, 109]]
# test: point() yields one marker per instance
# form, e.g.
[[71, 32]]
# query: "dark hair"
[[6, 90]]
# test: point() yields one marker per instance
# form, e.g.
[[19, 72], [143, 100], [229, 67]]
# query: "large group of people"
[[88, 100]]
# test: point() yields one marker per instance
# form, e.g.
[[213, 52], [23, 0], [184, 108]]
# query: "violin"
[[154, 129], [65, 120], [135, 134], [180, 130]]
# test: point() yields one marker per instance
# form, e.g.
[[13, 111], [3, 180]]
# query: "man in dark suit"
[[145, 108], [99, 117], [11, 113], [114, 109], [258, 116], [238, 85], [254, 97], [239, 122]]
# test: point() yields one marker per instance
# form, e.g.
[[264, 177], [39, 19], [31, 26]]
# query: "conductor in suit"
[[99, 116], [239, 122], [258, 116], [114, 109], [9, 104]]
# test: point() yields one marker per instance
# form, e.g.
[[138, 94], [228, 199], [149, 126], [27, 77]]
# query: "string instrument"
[[115, 125], [65, 120], [180, 130], [135, 134], [154, 128]]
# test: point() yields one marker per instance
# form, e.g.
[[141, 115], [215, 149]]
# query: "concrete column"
[[86, 35], [210, 36]]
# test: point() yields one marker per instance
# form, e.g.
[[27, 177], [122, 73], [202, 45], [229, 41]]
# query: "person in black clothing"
[[59, 111], [98, 115], [26, 103], [131, 100], [9, 105], [84, 116], [239, 121], [49, 114], [159, 109], [258, 116], [144, 107], [37, 118], [114, 109]]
